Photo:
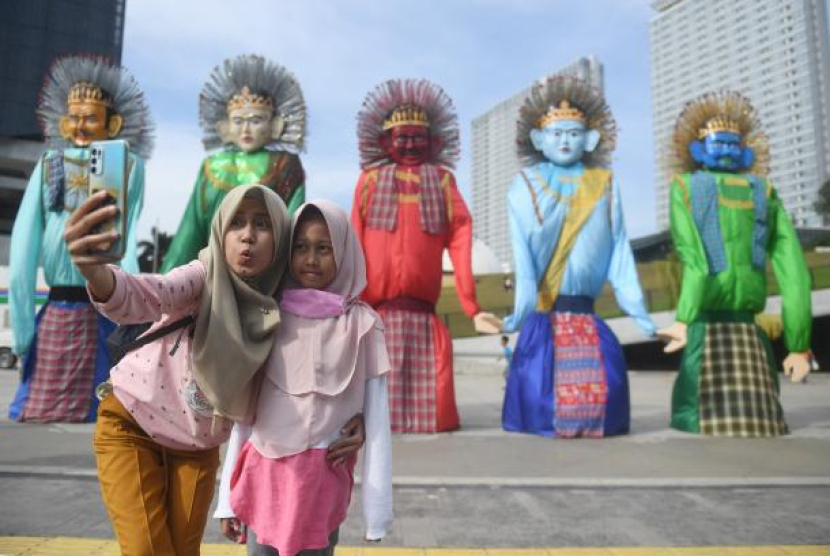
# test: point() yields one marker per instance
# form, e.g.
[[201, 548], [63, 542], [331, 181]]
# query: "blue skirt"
[[529, 400]]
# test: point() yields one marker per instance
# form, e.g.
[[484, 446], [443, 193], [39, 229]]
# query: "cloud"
[[479, 51], [170, 176], [336, 184]]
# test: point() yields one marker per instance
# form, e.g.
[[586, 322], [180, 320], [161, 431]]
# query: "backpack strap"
[[161, 332], [127, 338]]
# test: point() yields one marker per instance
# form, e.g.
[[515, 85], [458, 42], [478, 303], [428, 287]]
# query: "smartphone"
[[108, 167]]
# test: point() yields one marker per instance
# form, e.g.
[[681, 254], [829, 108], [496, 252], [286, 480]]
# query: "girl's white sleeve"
[[376, 486], [239, 435]]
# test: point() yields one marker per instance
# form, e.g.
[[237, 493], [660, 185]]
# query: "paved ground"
[[483, 489], [92, 547]]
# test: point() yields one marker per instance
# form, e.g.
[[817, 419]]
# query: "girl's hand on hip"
[[234, 530], [354, 435]]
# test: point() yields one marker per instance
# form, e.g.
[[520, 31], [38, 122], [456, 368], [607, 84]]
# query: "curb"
[[57, 472]]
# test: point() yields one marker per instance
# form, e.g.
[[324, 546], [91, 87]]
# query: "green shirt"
[[741, 287], [221, 172]]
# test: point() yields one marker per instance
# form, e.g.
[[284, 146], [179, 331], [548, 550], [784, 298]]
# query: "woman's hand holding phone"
[[83, 241]]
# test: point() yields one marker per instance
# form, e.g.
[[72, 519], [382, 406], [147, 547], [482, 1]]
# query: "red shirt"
[[406, 262]]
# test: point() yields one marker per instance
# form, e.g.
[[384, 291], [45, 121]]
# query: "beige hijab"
[[237, 318]]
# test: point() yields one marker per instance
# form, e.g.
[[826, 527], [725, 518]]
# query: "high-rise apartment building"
[[775, 52], [495, 162]]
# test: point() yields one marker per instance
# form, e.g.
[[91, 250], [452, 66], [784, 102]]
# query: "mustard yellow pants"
[[157, 498]]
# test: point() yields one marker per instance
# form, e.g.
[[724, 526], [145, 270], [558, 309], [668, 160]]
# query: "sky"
[[479, 51]]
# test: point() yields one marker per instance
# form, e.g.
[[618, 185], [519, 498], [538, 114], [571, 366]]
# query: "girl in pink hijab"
[[329, 362]]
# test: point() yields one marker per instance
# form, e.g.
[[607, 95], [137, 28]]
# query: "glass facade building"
[[35, 32]]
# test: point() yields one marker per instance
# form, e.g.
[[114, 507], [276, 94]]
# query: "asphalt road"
[[482, 487]]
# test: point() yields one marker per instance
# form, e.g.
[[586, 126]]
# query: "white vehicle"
[[8, 360]]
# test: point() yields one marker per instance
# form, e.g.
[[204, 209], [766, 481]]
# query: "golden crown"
[[246, 99], [719, 123], [406, 115], [85, 92], [564, 112]]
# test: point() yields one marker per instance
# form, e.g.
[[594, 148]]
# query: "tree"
[[822, 205], [148, 249]]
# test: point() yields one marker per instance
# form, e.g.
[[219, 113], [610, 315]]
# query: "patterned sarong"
[[64, 371], [411, 382], [737, 395], [580, 387]]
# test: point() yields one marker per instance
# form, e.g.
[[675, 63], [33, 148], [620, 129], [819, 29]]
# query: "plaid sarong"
[[383, 211], [61, 387], [411, 382], [580, 389], [736, 393]]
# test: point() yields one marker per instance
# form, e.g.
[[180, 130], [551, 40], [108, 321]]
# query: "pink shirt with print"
[[154, 382]]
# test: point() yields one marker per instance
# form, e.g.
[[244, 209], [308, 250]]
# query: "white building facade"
[[775, 52], [495, 162]]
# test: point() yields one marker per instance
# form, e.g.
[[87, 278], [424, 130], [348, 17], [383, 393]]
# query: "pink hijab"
[[348, 283], [323, 351]]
